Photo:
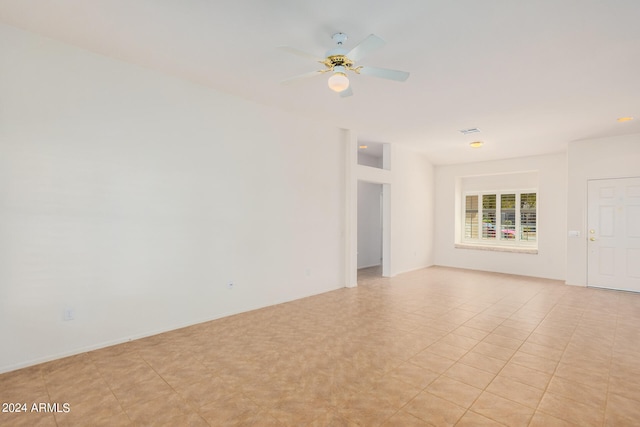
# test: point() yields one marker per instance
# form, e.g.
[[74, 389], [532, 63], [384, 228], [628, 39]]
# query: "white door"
[[614, 234]]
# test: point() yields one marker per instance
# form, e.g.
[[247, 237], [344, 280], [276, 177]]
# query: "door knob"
[[593, 239]]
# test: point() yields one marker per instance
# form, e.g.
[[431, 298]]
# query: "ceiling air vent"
[[468, 131]]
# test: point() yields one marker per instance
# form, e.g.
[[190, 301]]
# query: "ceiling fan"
[[339, 61]]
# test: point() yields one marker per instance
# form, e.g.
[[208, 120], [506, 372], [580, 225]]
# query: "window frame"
[[498, 241]]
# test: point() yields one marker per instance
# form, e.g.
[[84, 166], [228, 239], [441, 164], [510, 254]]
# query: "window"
[[528, 217], [501, 219]]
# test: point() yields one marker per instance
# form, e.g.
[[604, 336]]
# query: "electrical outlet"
[[68, 314]]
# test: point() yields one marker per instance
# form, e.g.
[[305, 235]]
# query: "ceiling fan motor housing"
[[333, 61]]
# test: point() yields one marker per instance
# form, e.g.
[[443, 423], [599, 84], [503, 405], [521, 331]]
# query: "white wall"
[[134, 198], [614, 157], [412, 210], [549, 262], [369, 224]]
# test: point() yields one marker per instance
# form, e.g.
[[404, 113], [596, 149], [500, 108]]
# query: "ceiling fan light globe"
[[338, 82]]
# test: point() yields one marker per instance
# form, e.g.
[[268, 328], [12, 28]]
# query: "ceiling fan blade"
[[371, 43], [347, 92], [300, 77], [299, 52], [384, 73]]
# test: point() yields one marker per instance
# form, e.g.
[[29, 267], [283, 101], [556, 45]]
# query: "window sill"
[[496, 248]]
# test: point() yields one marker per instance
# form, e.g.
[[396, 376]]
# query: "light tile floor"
[[437, 346]]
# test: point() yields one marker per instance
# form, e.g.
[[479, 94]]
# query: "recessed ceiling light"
[[476, 144], [362, 147], [625, 119]]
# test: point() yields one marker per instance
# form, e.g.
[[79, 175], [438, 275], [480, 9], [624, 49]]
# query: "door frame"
[[385, 226]]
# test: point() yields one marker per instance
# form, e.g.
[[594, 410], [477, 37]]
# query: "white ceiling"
[[532, 75]]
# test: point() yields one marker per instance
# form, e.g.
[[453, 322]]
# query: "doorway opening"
[[371, 230]]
